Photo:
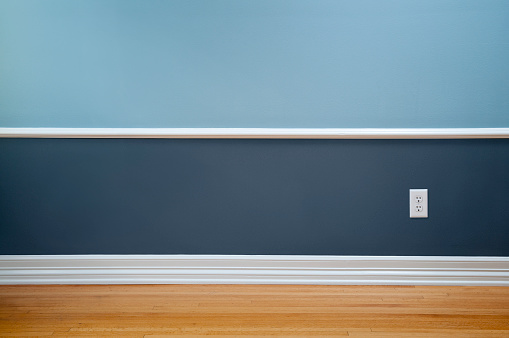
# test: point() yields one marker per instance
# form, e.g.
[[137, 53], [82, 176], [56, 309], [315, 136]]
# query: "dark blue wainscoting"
[[309, 197]]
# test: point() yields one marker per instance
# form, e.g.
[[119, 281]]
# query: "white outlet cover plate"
[[418, 200]]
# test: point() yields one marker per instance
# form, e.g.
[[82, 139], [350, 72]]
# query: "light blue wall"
[[258, 63]]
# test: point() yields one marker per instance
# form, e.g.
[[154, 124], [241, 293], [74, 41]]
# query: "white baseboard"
[[261, 133], [253, 269]]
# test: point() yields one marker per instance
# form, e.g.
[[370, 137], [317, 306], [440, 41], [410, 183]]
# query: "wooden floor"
[[255, 310]]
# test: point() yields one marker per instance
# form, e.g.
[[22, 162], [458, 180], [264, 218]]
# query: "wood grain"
[[253, 310]]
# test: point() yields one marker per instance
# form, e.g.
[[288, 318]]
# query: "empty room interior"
[[254, 168]]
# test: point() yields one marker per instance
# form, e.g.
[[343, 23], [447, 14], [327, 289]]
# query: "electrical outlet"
[[418, 203]]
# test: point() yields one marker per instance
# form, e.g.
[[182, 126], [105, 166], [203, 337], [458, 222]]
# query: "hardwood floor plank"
[[27, 334]]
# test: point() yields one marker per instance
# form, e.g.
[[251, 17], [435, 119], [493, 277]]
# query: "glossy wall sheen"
[[300, 197], [254, 63]]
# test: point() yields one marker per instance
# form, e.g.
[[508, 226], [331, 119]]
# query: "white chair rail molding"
[[284, 133]]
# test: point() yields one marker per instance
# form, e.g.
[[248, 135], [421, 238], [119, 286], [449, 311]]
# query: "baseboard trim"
[[253, 269], [258, 133]]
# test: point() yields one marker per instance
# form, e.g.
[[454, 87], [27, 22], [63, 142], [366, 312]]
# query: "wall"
[[263, 63], [225, 63], [303, 197]]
